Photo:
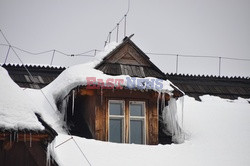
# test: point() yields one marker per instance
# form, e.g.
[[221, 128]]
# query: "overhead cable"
[[32, 79]]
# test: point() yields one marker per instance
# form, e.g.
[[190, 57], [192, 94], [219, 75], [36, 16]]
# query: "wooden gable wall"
[[128, 59]]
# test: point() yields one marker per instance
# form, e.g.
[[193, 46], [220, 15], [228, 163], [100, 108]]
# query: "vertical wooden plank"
[[126, 121], [153, 122], [105, 108], [100, 118]]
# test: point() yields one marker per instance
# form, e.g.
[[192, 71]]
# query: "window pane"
[[115, 109], [115, 130], [136, 131], [136, 110]]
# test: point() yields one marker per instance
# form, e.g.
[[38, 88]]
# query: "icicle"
[[163, 101], [48, 161], [64, 108], [170, 121], [73, 102], [30, 140], [50, 153], [182, 111], [158, 100]]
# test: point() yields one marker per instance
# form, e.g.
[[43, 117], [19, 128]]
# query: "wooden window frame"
[[117, 117], [126, 118], [138, 118]]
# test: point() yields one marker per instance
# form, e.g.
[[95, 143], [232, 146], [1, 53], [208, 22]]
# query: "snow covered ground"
[[218, 132]]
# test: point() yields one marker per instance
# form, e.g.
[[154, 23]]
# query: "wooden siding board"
[[141, 71], [122, 69], [21, 154], [128, 55], [129, 70]]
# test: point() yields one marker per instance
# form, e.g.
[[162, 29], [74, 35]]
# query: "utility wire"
[[197, 56], [63, 142], [96, 50], [81, 151], [42, 92], [117, 25], [28, 52], [85, 53], [44, 52], [7, 55]]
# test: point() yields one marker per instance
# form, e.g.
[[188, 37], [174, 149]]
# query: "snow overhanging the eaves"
[[18, 107], [77, 76], [17, 111]]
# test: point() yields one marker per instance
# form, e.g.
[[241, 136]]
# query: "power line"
[[48, 51], [7, 55], [52, 57], [197, 56], [96, 50], [117, 26], [63, 142], [81, 151], [41, 92], [28, 52]]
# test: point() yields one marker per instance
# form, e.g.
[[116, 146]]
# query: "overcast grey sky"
[[188, 27]]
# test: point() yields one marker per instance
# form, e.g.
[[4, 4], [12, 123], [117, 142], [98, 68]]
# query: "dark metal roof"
[[224, 87], [42, 75], [194, 86]]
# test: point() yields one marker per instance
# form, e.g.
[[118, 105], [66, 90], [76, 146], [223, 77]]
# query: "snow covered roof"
[[129, 59], [78, 74], [33, 65], [195, 86], [217, 133], [16, 108], [217, 129], [19, 106], [42, 75]]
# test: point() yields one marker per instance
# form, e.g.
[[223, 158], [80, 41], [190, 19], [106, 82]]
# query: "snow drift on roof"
[[46, 98], [16, 110], [219, 135], [76, 75]]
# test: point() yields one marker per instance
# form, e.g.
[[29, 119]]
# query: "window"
[[116, 121], [137, 122], [133, 117]]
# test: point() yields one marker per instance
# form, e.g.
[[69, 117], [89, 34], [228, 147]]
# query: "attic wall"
[[128, 59], [101, 111], [81, 120], [91, 107], [21, 154]]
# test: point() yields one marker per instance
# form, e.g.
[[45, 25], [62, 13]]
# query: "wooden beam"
[[87, 92], [23, 137]]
